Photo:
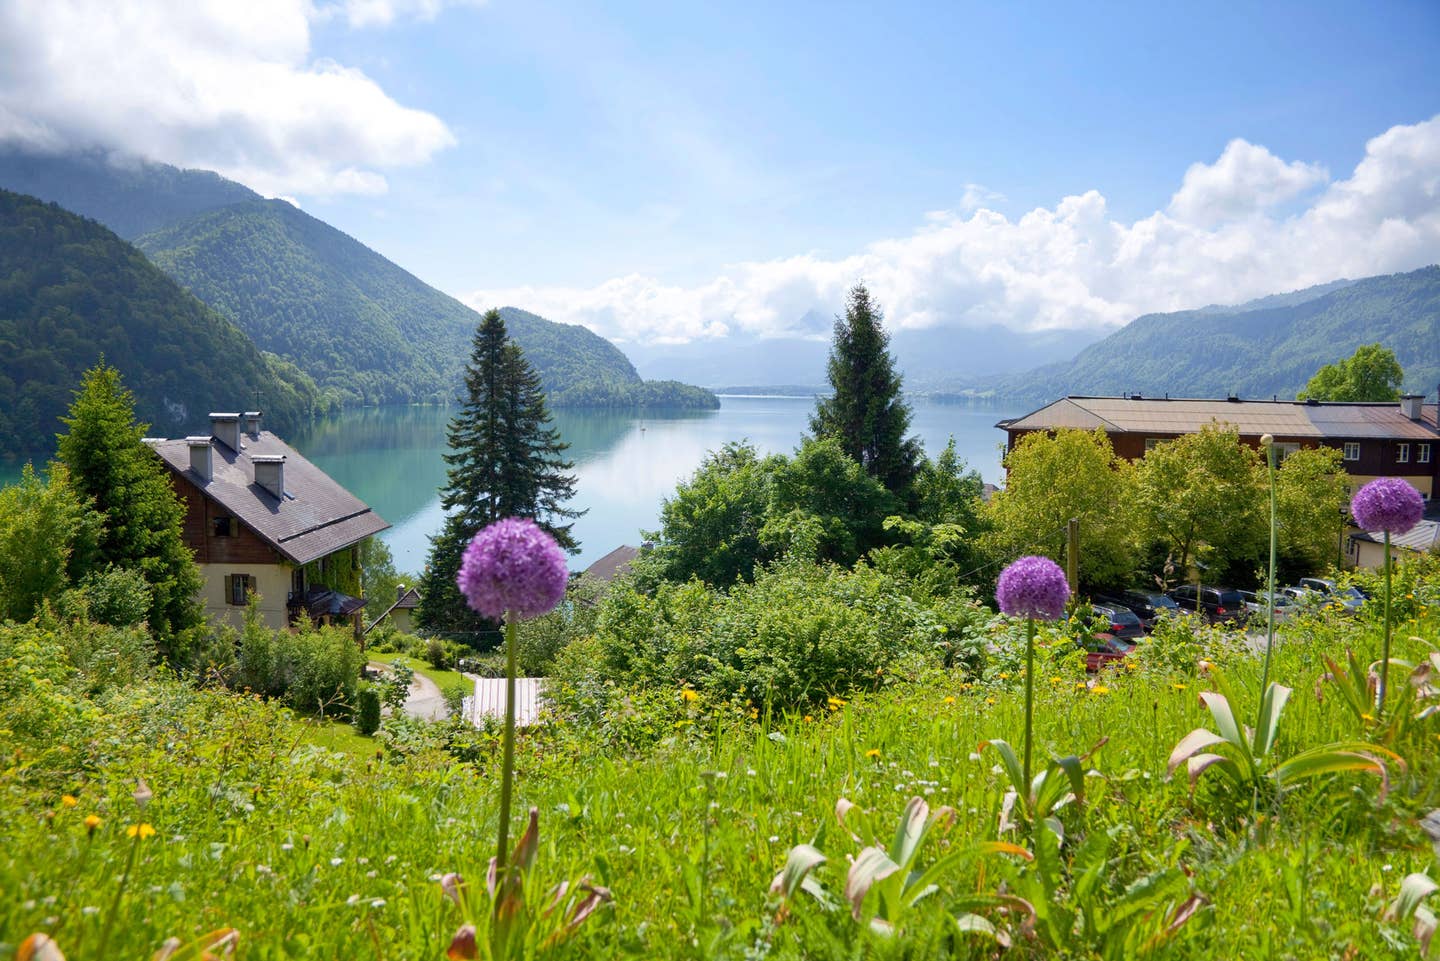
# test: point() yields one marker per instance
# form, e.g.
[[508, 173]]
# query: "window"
[[1422, 454], [224, 526], [1284, 449], [1352, 451], [1152, 442], [239, 587], [1402, 453]]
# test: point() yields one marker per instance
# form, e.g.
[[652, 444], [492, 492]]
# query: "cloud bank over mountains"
[[1246, 225], [216, 84]]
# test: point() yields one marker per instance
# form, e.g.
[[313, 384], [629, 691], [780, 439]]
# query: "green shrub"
[[322, 670], [455, 695], [438, 654], [542, 639], [367, 710], [115, 595]]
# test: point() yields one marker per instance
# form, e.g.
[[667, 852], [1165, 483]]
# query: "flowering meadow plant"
[[1032, 587], [1391, 505], [513, 568]]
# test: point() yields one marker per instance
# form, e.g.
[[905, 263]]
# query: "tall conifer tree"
[[128, 485], [866, 414], [505, 461]]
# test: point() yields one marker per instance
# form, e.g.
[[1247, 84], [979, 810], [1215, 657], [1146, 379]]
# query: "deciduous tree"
[[1371, 373], [48, 541]]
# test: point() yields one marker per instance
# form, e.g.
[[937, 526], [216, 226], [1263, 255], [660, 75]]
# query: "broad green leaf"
[[1330, 759], [1272, 705], [1192, 743], [1230, 729], [1012, 768], [870, 866], [1413, 890], [802, 860], [1201, 763], [910, 831]]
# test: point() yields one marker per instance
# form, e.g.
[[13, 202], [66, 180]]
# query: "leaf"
[[975, 924], [842, 808], [802, 860], [1197, 740], [1334, 758], [1430, 824], [1413, 890], [39, 947], [871, 866], [529, 844], [1012, 767], [1201, 763], [1219, 707], [1272, 705], [1177, 920], [910, 831]]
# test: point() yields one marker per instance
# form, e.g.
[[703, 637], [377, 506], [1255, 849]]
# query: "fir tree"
[[128, 485], [866, 413], [505, 460]]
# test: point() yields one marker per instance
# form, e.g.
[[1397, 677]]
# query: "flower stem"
[[1385, 646], [1270, 583], [1029, 701], [507, 764]]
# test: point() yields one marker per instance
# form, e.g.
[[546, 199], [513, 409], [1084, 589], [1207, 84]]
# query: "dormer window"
[[224, 526]]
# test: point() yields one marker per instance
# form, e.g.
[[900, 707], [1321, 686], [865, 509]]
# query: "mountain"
[[1265, 348], [366, 330], [71, 292], [128, 195], [931, 359]]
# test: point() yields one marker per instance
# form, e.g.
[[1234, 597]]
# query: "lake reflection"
[[392, 458]]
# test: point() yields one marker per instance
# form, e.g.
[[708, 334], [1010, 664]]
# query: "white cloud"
[[1227, 236], [382, 13], [226, 86]]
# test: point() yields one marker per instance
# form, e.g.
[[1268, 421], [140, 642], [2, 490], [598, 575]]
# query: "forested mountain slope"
[[72, 291], [130, 197], [1254, 351], [366, 330]]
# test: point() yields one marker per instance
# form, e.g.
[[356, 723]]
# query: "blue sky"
[[681, 171]]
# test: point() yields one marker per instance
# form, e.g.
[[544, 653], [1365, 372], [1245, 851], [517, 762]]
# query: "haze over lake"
[[392, 458]]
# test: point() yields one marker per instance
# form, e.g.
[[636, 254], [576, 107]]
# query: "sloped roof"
[[609, 566], [1424, 536], [315, 517], [1285, 418]]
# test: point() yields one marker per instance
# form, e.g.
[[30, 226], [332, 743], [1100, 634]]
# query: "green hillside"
[[1254, 351], [130, 197], [366, 330], [71, 291]]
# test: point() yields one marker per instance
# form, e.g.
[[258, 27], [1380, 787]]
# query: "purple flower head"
[[1387, 504], [513, 567], [1033, 587]]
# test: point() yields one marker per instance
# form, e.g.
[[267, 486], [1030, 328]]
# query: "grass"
[[338, 736], [443, 679], [262, 825]]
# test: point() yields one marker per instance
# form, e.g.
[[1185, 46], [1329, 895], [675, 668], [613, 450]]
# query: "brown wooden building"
[[1376, 439], [263, 520]]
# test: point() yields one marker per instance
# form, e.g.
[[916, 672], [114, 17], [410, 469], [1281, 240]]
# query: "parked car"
[[1255, 604], [1135, 603], [1102, 651], [1349, 598], [1163, 603], [1214, 603], [1123, 623]]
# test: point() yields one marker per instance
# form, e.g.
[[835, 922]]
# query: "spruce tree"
[[129, 486], [866, 413], [505, 460]]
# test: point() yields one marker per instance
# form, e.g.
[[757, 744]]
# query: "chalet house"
[[401, 614], [263, 520], [1376, 439]]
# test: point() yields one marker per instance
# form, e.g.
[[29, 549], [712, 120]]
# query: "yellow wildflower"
[[1179, 687], [950, 699], [92, 822], [689, 695], [1099, 689], [836, 703], [808, 719], [1079, 685], [989, 700], [873, 753], [1055, 679], [1004, 676], [69, 800], [1367, 717], [143, 830]]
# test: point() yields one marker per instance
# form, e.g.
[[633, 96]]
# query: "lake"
[[391, 458]]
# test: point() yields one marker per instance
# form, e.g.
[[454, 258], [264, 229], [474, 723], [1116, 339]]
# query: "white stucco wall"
[[271, 582]]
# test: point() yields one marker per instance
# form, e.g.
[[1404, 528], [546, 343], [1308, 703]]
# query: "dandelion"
[[1004, 676], [989, 701], [689, 696], [873, 754], [1391, 505], [69, 800], [808, 718], [1099, 689], [1055, 679], [1178, 687], [835, 703], [142, 830], [1032, 587], [92, 821], [950, 699]]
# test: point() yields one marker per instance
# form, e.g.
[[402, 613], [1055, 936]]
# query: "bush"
[[541, 640], [367, 709], [439, 654], [455, 695], [117, 596], [316, 670]]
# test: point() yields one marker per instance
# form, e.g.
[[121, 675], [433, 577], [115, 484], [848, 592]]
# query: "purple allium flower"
[[513, 566], [1387, 504], [1033, 587]]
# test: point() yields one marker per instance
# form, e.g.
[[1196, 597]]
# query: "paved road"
[[425, 700]]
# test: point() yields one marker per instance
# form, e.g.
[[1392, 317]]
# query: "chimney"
[[270, 473], [252, 423], [201, 461], [226, 429], [1410, 405], [399, 593]]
